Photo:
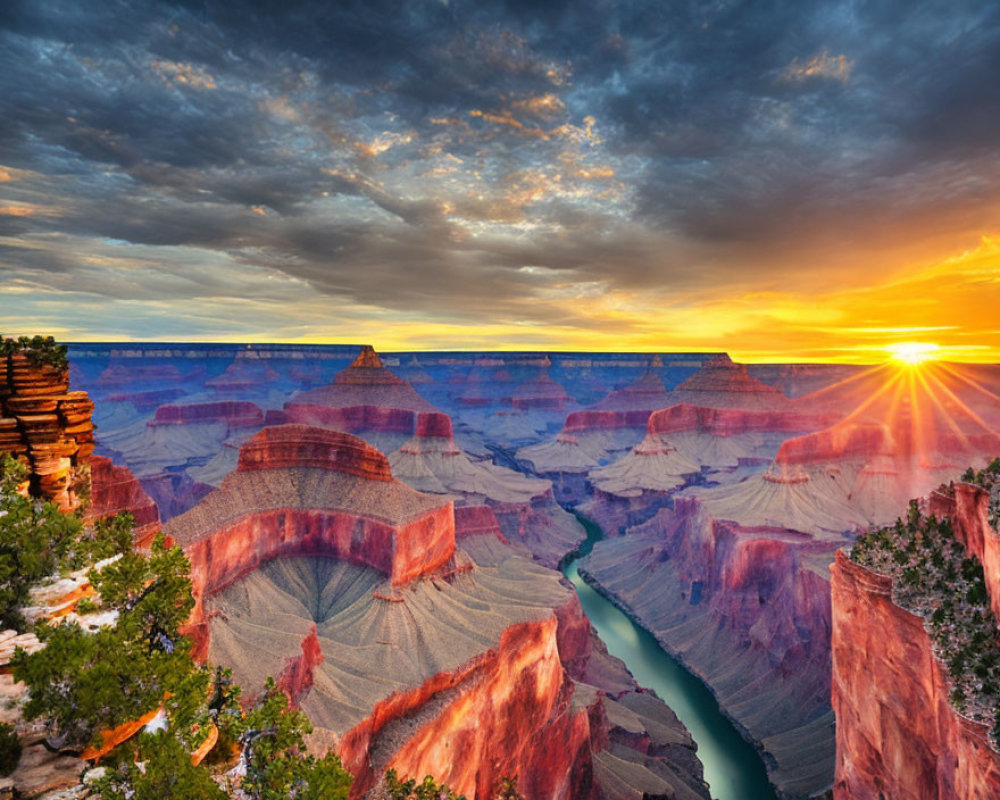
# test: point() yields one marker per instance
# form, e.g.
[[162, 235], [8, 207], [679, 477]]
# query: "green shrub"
[[10, 749]]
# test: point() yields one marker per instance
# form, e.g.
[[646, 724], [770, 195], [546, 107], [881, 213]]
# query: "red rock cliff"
[[897, 734], [43, 421], [512, 715], [116, 489], [302, 491], [967, 506]]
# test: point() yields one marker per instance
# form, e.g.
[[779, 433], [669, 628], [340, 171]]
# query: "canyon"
[[724, 493]]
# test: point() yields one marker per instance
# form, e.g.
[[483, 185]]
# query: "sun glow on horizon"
[[913, 353]]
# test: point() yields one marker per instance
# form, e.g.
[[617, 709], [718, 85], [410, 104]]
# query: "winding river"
[[733, 768]]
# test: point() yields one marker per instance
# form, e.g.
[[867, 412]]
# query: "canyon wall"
[[511, 713], [748, 611], [897, 735], [115, 489]]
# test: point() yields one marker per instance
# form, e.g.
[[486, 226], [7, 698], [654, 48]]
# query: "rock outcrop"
[[313, 563], [593, 436], [721, 383], [366, 399], [897, 734], [248, 371], [115, 489], [525, 507], [301, 491], [468, 675], [50, 426], [233, 413]]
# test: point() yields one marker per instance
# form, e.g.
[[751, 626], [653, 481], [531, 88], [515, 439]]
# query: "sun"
[[912, 353]]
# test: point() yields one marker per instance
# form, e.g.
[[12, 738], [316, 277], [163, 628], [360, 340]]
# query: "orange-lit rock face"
[[512, 716], [296, 679], [43, 421], [863, 441], [897, 735], [305, 446], [967, 506], [115, 489]]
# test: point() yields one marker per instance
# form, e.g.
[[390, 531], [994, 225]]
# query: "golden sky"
[[796, 182]]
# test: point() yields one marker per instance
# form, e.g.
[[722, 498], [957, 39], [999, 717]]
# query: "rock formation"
[[366, 399], [314, 563], [540, 392], [525, 507], [897, 684], [50, 426], [897, 734], [721, 383], [748, 612], [299, 491], [115, 489], [594, 436], [248, 371]]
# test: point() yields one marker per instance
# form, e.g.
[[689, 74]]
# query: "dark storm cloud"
[[471, 159]]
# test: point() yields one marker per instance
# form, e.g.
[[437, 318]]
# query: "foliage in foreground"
[[35, 539], [428, 789], [39, 350], [83, 683], [10, 749]]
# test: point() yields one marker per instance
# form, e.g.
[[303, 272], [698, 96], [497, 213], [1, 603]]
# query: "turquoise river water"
[[733, 768]]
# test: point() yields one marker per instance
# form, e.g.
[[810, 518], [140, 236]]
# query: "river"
[[733, 768]]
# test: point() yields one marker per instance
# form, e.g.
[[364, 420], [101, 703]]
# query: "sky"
[[786, 181]]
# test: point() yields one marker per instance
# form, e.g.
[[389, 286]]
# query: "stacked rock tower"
[[45, 423]]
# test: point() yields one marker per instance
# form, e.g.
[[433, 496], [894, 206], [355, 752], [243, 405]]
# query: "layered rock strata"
[[301, 491], [898, 732], [115, 489], [311, 562], [747, 610], [525, 507], [366, 399], [50, 426]]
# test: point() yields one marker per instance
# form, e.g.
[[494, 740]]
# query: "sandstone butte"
[[525, 507], [363, 398], [748, 561], [743, 597], [248, 371], [592, 437], [540, 392], [41, 420], [683, 438], [311, 562], [897, 734], [614, 424]]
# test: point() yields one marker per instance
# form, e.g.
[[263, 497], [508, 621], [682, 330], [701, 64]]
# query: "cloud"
[[184, 74], [414, 161], [836, 68]]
